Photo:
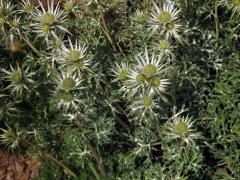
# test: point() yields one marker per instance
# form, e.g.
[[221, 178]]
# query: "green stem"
[[94, 171], [67, 170], [30, 44], [216, 19]]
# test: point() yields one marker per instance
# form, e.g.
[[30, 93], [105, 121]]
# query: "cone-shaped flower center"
[[17, 77], [15, 23], [155, 82], [67, 97], [139, 18], [164, 17], [57, 43], [236, 2], [69, 6], [164, 45], [68, 83], [2, 20], [73, 55], [123, 74], [48, 18], [170, 26], [28, 8], [140, 78], [150, 70], [4, 11], [79, 63], [181, 128], [147, 102], [45, 28]]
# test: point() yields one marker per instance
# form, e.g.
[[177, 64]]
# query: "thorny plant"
[[121, 89]]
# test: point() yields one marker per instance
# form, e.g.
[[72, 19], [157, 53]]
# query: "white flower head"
[[19, 79], [165, 19], [69, 5], [139, 16], [68, 81], [149, 76], [165, 48], [149, 66], [27, 7], [7, 108], [48, 21], [136, 82], [74, 56], [143, 105], [121, 72], [66, 100], [15, 25], [181, 128], [6, 8]]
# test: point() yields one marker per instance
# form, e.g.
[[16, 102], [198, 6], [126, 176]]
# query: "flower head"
[[74, 56], [143, 105], [165, 48], [27, 6], [7, 109], [6, 8], [149, 76], [65, 99], [139, 16], [121, 72], [48, 21], [149, 67], [19, 79], [69, 5], [181, 128], [68, 81], [10, 137], [166, 19]]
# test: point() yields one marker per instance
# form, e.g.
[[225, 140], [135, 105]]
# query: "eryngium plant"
[[108, 89]]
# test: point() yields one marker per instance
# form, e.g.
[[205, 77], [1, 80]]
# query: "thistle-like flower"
[[69, 6], [19, 79], [149, 67], [27, 7], [68, 81], [143, 105], [166, 19], [15, 25], [10, 137], [65, 100], [139, 16], [74, 56], [165, 48], [121, 72], [56, 44], [48, 21], [6, 8], [7, 109], [149, 76], [181, 128], [137, 81]]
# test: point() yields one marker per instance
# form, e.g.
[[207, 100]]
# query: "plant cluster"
[[120, 89]]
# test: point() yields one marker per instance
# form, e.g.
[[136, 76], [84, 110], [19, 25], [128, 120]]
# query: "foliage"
[[120, 89]]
